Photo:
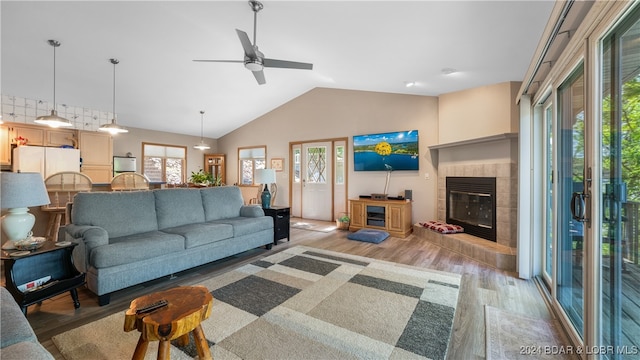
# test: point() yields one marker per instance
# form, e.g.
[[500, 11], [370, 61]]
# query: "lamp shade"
[[265, 176], [20, 190]]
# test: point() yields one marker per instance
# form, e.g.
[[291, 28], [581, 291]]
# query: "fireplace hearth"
[[471, 203]]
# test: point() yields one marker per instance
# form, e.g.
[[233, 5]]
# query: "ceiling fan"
[[254, 59]]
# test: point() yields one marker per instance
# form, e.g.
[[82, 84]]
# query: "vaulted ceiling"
[[359, 45]]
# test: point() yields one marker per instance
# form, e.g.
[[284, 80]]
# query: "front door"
[[317, 194]]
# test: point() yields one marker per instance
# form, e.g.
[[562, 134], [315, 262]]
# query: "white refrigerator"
[[45, 160]]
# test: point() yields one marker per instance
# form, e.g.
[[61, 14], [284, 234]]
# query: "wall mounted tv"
[[386, 151]]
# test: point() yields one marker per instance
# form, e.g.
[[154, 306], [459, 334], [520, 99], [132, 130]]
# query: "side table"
[[281, 217], [50, 260]]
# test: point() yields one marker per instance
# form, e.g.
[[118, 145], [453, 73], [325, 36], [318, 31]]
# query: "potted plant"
[[342, 222], [201, 178]]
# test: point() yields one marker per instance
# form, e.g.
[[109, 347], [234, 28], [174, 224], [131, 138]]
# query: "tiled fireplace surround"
[[502, 253]]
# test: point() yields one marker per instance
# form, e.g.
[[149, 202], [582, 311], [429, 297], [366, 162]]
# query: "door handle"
[[578, 206]]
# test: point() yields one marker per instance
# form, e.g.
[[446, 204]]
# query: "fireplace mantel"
[[486, 139]]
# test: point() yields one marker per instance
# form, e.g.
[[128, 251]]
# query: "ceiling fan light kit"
[[254, 60], [53, 120], [112, 127], [202, 145]]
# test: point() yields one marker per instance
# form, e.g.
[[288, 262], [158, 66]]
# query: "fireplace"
[[471, 203]]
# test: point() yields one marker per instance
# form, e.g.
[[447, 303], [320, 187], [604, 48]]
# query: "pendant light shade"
[[113, 127], [202, 145], [53, 120]]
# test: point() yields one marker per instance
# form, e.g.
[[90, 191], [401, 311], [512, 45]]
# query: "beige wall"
[[132, 142], [331, 113], [478, 112]]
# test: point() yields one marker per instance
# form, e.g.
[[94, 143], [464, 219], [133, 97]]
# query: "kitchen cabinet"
[[96, 151], [60, 137], [392, 216], [5, 146], [34, 135]]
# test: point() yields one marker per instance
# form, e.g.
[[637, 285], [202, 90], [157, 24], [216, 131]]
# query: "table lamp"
[[266, 177], [18, 191]]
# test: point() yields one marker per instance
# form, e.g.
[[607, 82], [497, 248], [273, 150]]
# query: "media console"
[[392, 216]]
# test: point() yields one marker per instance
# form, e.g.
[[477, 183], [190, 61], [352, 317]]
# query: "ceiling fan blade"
[[286, 64], [249, 51], [227, 61], [259, 75]]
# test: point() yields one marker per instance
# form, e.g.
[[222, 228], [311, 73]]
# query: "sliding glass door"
[[620, 189], [571, 197]]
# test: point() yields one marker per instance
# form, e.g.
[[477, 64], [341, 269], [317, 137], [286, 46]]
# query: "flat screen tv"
[[394, 151]]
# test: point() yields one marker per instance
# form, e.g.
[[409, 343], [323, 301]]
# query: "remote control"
[[152, 307]]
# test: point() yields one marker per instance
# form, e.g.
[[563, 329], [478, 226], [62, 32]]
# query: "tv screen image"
[[386, 151]]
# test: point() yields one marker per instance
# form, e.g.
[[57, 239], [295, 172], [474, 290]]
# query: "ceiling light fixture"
[[202, 145], [449, 71], [409, 83], [112, 127], [53, 120]]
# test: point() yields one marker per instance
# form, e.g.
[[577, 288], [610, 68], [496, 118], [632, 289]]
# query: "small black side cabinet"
[[281, 216], [49, 260]]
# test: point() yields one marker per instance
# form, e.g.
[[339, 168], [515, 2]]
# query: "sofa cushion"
[[119, 213], [132, 248], [10, 313], [243, 225], [221, 202], [176, 207], [26, 350], [201, 233]]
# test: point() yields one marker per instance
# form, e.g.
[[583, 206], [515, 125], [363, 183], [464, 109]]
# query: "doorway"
[[319, 179]]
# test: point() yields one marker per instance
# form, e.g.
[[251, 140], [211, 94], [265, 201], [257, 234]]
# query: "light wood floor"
[[480, 285]]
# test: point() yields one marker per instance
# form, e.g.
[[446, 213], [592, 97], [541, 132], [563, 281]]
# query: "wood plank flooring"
[[481, 285]]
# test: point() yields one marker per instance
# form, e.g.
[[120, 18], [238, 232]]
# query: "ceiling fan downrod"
[[255, 6]]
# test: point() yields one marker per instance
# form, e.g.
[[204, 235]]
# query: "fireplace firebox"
[[471, 203]]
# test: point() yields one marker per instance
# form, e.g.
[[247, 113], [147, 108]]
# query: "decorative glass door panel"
[[316, 181], [571, 199]]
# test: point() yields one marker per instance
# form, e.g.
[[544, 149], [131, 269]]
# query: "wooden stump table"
[[187, 307]]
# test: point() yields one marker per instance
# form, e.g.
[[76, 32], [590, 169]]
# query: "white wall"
[[332, 113]]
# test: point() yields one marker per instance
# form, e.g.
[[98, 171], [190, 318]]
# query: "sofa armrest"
[[251, 211], [88, 237]]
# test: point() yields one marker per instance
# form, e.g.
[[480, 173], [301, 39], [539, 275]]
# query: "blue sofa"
[[17, 341], [126, 238]]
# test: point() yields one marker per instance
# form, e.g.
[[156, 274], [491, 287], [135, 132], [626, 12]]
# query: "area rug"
[[305, 303], [321, 226], [515, 336]]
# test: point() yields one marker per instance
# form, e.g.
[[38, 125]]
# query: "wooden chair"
[[129, 182], [62, 187], [251, 194]]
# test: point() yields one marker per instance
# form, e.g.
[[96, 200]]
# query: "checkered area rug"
[[306, 303]]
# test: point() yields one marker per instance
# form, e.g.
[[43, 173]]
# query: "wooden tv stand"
[[392, 216]]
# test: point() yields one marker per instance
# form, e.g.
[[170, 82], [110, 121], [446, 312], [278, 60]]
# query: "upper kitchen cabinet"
[[96, 151], [34, 135], [5, 145]]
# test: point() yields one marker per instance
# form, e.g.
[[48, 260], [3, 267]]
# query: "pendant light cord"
[[201, 126], [114, 62]]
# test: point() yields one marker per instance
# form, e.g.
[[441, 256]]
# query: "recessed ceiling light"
[[448, 71], [409, 83]]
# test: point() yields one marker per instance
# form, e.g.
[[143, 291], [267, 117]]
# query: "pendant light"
[[202, 145], [53, 120], [113, 127]]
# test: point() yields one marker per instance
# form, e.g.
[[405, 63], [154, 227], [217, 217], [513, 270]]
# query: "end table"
[[52, 259], [281, 216]]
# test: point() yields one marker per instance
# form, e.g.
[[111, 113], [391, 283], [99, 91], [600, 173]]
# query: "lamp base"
[[266, 198], [17, 225]]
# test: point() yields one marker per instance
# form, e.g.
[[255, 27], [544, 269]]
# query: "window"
[[296, 165], [251, 159], [340, 170], [164, 163]]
